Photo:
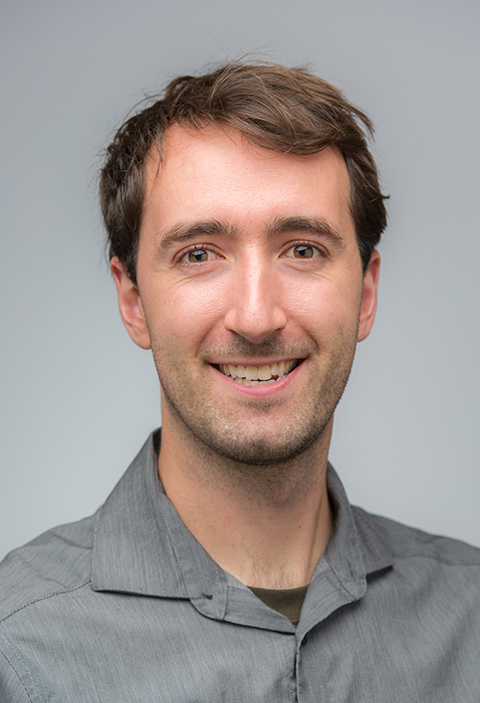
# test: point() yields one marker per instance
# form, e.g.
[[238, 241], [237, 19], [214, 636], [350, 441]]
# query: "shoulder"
[[411, 543], [444, 569], [56, 562]]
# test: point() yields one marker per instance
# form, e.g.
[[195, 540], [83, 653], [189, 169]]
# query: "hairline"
[[156, 153]]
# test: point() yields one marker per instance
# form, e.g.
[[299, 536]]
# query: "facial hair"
[[201, 417]]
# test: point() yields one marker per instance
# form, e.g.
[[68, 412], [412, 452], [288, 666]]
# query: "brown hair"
[[289, 110]]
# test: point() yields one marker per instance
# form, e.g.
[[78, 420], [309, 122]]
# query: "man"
[[242, 210]]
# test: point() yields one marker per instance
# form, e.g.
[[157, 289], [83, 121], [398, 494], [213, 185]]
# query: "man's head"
[[246, 259], [286, 110]]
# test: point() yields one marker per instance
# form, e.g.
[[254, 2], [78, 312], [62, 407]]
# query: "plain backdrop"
[[78, 398]]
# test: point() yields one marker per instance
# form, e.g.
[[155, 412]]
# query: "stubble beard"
[[214, 435]]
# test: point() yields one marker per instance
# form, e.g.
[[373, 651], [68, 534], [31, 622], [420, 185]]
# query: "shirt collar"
[[355, 549], [142, 547]]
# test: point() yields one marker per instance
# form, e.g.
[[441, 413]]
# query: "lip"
[[262, 390]]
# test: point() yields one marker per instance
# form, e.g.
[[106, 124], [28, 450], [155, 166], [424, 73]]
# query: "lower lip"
[[262, 390]]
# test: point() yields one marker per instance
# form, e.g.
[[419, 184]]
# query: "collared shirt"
[[127, 607]]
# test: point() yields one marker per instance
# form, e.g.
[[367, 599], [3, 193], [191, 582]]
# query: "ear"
[[368, 307], [130, 305]]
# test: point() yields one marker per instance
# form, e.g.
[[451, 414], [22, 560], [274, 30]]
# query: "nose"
[[255, 309]]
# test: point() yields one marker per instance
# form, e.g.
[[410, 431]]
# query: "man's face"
[[249, 292]]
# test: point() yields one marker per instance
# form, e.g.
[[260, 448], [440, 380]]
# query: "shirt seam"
[[389, 541], [186, 581], [340, 582], [10, 663], [46, 597], [239, 588], [172, 542], [368, 543], [438, 559]]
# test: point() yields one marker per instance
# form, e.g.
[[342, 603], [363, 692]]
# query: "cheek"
[[325, 307], [186, 314]]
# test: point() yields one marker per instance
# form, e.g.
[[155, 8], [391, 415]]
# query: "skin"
[[248, 257]]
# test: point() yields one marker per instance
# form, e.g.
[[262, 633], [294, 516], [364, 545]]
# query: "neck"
[[267, 525]]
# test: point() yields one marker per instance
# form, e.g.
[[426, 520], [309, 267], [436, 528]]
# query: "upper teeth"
[[269, 372]]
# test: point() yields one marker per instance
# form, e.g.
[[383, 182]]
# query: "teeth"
[[264, 373], [253, 375]]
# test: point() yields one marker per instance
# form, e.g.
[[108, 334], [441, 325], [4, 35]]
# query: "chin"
[[259, 449]]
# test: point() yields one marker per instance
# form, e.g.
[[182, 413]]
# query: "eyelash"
[[197, 247], [310, 245], [208, 248]]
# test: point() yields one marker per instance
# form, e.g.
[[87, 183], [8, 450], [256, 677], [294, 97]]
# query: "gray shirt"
[[127, 607]]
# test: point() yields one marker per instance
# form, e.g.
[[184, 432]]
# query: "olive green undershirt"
[[287, 601]]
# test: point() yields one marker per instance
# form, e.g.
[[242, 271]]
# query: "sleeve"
[[12, 689]]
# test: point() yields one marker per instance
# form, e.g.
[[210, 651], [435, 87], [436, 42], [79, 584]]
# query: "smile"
[[255, 375]]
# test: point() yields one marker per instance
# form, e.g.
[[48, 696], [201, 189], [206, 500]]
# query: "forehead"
[[217, 172]]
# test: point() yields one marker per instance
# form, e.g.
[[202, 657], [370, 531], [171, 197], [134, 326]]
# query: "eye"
[[197, 255], [304, 250]]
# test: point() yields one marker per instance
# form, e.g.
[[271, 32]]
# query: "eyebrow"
[[181, 233], [311, 225]]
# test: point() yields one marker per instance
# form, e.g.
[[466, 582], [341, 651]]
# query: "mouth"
[[256, 375]]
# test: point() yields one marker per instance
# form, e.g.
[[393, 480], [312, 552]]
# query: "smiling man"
[[243, 211]]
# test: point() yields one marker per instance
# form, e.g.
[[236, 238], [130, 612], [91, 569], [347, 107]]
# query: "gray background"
[[78, 398]]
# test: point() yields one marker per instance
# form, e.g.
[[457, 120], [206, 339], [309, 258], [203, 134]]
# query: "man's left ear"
[[369, 298], [130, 305]]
